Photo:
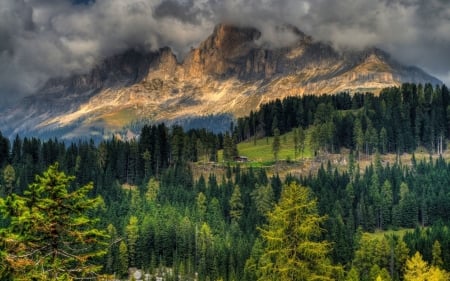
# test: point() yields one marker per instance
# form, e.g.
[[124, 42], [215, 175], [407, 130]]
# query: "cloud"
[[40, 39]]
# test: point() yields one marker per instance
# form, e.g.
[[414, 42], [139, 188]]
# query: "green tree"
[[229, 147], [236, 205], [123, 259], [152, 190], [301, 140], [358, 136], [132, 231], [50, 235], [251, 265], [276, 145], [401, 253], [293, 250], [112, 254], [9, 178], [370, 252], [296, 142], [263, 198], [437, 254], [386, 204], [206, 252], [201, 205], [147, 157], [352, 275]]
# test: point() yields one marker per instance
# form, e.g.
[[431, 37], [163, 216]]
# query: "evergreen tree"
[[110, 261], [123, 259], [132, 231], [437, 254], [401, 253], [416, 268], [206, 251], [352, 275], [236, 205], [50, 235], [152, 190], [292, 248], [276, 145], [263, 198], [296, 142], [358, 136], [383, 140], [301, 140], [9, 179]]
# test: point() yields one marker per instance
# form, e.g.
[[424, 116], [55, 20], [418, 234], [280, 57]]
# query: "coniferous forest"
[[86, 210]]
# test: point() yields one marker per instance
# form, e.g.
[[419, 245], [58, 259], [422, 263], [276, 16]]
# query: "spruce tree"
[[51, 235], [293, 249], [276, 145]]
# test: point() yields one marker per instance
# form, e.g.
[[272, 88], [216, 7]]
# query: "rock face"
[[230, 72]]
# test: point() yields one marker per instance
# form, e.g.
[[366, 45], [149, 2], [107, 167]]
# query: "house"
[[241, 159]]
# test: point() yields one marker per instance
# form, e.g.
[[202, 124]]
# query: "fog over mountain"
[[40, 39]]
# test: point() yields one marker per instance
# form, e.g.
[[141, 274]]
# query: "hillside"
[[172, 206], [228, 73]]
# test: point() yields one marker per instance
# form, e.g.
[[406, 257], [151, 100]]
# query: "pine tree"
[[301, 140], [401, 253], [50, 234], [293, 250], [9, 178], [263, 198], [201, 206], [205, 248], [152, 190], [236, 205], [111, 257], [296, 142], [352, 275], [358, 136], [132, 231], [437, 254], [123, 259], [276, 145]]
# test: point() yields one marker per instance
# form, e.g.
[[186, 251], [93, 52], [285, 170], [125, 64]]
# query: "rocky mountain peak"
[[230, 38], [221, 54], [228, 73]]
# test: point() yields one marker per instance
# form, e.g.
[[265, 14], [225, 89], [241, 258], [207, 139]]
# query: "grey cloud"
[[44, 38], [186, 11], [413, 31]]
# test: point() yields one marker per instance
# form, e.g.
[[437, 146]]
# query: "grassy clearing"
[[261, 154]]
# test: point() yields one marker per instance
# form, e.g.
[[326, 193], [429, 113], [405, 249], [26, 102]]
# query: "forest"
[[142, 204]]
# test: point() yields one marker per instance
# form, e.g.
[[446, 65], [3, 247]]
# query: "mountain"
[[227, 75]]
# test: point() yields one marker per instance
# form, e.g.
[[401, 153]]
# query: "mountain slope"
[[230, 72]]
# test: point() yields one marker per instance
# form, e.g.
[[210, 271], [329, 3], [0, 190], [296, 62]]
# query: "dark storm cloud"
[[44, 38]]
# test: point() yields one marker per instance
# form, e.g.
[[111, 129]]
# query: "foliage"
[[50, 235], [161, 214], [292, 251], [417, 269]]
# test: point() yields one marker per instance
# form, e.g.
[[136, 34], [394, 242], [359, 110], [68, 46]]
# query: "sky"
[[40, 39]]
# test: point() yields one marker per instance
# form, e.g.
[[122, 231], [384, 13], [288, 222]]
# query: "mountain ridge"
[[230, 72]]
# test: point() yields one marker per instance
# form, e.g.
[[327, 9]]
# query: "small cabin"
[[241, 159]]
